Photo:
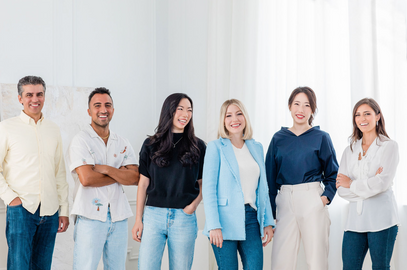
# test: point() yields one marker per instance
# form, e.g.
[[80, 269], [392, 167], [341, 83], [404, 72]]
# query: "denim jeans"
[[30, 239], [172, 225], [94, 237], [250, 250], [380, 245]]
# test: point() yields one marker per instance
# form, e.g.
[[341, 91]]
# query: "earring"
[[377, 123]]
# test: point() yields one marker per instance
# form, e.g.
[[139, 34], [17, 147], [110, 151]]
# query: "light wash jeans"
[[174, 225], [93, 237]]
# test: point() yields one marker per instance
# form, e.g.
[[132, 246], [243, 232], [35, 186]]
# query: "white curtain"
[[260, 50]]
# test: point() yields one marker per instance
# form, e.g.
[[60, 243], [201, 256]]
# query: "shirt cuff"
[[9, 196], [63, 211]]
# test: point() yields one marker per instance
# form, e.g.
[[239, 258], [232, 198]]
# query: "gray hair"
[[27, 80]]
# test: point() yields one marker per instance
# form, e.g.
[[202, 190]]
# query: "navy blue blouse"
[[306, 158]]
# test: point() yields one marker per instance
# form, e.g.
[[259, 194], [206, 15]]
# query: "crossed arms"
[[103, 175]]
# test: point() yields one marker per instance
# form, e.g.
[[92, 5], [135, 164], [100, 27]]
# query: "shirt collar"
[[92, 133], [28, 120]]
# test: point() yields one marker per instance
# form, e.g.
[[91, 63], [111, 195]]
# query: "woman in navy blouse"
[[299, 158]]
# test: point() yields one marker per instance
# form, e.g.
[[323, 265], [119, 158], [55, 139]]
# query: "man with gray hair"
[[33, 181]]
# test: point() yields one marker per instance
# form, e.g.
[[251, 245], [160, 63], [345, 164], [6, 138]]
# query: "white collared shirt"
[[87, 148], [33, 167], [372, 204]]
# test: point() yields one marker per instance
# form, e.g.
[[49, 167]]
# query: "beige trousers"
[[301, 214]]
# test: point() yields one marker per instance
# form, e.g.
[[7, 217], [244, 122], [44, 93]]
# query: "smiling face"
[[366, 118], [301, 109], [235, 122], [32, 98], [101, 110], [182, 116]]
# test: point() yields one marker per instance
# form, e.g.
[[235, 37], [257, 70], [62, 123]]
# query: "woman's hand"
[[324, 200], [379, 171], [216, 238], [189, 209], [268, 235], [137, 230], [343, 181]]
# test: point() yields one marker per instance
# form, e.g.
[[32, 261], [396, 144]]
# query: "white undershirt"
[[249, 172]]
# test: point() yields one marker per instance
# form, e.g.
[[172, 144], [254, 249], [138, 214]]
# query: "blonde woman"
[[235, 192]]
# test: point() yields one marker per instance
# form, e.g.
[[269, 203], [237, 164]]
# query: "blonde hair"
[[222, 131]]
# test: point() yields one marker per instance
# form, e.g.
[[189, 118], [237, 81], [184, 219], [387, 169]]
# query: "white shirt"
[[249, 172], [33, 166], [87, 148], [372, 205]]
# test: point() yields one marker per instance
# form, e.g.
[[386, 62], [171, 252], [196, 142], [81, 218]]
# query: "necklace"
[[104, 138], [174, 144]]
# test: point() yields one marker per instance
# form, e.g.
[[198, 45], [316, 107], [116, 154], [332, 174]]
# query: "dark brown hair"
[[162, 139], [312, 98], [380, 126]]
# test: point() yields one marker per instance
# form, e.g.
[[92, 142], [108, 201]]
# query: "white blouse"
[[372, 204], [249, 172]]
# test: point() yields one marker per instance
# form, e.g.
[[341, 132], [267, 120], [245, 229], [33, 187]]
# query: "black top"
[[174, 186]]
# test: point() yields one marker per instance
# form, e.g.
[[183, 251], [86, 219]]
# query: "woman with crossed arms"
[[365, 177]]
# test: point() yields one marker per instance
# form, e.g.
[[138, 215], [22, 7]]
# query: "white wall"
[[142, 50]]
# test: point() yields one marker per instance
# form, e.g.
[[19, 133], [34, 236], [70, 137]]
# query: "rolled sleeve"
[[79, 154]]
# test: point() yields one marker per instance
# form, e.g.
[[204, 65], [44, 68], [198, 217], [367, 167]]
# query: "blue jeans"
[[30, 239], [94, 237], [250, 250], [380, 245], [172, 225]]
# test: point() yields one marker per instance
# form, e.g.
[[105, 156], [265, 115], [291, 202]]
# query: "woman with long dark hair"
[[365, 177], [169, 191], [298, 160]]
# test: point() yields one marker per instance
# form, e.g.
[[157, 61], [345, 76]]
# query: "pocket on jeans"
[[182, 210], [15, 206]]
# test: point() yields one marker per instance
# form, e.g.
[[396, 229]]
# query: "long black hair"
[[162, 139]]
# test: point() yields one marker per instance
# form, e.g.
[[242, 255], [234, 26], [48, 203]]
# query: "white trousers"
[[301, 214]]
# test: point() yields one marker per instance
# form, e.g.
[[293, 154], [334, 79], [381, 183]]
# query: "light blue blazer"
[[222, 191]]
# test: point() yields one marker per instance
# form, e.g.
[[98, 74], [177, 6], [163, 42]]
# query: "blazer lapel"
[[255, 154], [227, 150]]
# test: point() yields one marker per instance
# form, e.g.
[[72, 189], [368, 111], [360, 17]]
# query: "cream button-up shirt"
[[32, 165]]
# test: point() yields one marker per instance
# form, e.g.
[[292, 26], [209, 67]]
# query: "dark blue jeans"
[[380, 245], [250, 250], [30, 239]]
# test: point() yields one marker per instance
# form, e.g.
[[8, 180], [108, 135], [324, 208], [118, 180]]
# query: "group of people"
[[248, 200]]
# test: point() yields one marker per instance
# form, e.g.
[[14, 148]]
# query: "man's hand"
[[103, 169], [15, 202], [63, 224]]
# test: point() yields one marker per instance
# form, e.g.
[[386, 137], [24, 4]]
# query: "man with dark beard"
[[101, 162]]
